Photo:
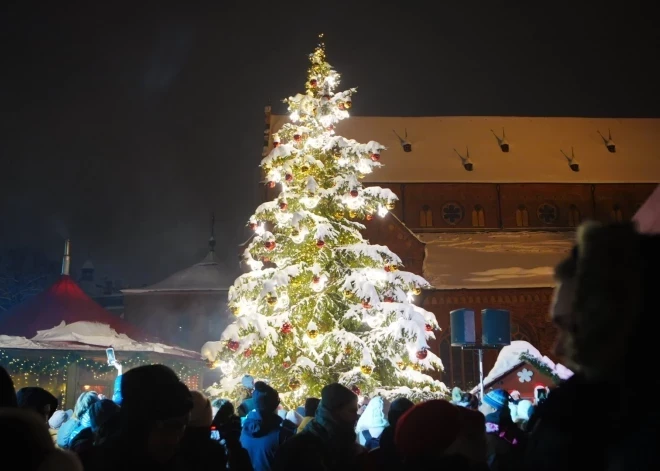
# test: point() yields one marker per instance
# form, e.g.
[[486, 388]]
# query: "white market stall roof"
[[207, 275], [539, 148], [512, 356], [90, 336]]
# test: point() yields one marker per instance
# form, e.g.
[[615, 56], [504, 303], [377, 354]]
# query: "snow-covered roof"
[[539, 148], [512, 356], [207, 275], [494, 259], [89, 336]]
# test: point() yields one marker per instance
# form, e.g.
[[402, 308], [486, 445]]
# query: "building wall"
[[488, 206], [185, 319]]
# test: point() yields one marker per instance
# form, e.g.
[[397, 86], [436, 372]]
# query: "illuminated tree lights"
[[321, 304]]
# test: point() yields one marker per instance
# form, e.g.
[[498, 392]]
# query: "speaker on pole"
[[463, 330], [495, 327]]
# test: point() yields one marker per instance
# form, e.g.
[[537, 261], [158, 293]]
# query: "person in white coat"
[[372, 422]]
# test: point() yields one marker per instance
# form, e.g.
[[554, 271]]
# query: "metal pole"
[[481, 373]]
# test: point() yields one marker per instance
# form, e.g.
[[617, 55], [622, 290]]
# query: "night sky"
[[125, 124]]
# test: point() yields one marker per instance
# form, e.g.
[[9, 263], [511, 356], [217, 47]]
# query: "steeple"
[[66, 260], [212, 238]]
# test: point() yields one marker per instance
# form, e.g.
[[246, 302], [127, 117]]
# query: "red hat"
[[426, 428]]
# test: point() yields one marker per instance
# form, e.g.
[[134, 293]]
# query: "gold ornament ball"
[[352, 214], [271, 300], [348, 350], [304, 169], [390, 205], [417, 290], [339, 215], [417, 367], [348, 293], [348, 104], [294, 385], [235, 310], [366, 369], [401, 365], [313, 334]]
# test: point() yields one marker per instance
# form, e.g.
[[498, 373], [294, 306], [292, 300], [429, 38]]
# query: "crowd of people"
[[601, 307]]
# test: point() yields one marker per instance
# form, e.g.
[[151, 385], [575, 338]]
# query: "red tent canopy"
[[648, 216], [63, 301]]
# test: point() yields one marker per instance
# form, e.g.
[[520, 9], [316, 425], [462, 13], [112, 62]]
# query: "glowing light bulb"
[[295, 116], [382, 211], [411, 296], [260, 229]]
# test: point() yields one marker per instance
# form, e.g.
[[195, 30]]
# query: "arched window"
[[617, 214], [426, 216], [573, 216], [518, 333], [522, 216], [478, 216]]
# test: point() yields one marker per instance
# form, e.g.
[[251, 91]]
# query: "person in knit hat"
[[504, 438], [329, 441], [311, 404], [37, 400], [198, 449], [425, 433], [385, 455], [262, 432], [372, 422]]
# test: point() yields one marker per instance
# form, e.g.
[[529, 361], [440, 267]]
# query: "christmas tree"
[[321, 304]]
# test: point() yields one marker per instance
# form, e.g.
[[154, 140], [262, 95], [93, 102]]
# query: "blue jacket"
[[261, 438], [116, 394]]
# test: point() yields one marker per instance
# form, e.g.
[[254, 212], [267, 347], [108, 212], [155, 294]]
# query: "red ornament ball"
[[375, 157], [276, 143], [387, 268], [271, 184], [366, 305], [369, 217], [269, 244], [316, 279], [247, 353], [297, 137], [233, 345], [286, 328], [388, 299], [428, 327], [253, 225], [313, 83], [354, 193], [286, 365], [288, 177], [422, 354], [283, 206], [356, 390], [320, 244]]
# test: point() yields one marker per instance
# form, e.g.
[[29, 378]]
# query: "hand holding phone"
[[110, 353]]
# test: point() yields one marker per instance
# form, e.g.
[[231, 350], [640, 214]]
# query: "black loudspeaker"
[[462, 328], [495, 327]]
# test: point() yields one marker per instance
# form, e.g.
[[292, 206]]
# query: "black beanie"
[[311, 404], [265, 398], [398, 407], [335, 396]]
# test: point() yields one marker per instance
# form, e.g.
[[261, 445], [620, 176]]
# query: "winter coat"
[[372, 422], [505, 443], [200, 451], [69, 429], [262, 436], [324, 445], [612, 434]]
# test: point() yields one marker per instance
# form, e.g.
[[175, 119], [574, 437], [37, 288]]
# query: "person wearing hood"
[[328, 442], [372, 422], [38, 400], [262, 432], [56, 421]]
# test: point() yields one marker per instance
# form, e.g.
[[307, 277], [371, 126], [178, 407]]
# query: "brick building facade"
[[488, 234]]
